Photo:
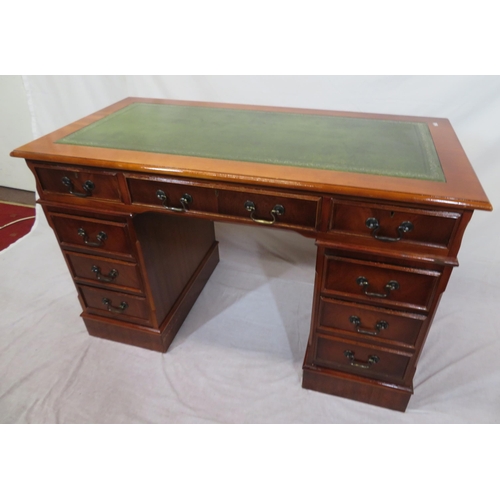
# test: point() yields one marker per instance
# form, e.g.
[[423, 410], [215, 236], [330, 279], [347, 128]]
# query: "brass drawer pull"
[[390, 286], [381, 325], [372, 360], [373, 224], [117, 310], [88, 186], [101, 238], [277, 210], [185, 200], [100, 277]]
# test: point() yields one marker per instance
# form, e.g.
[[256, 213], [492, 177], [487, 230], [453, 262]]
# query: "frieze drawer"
[[78, 182], [172, 196], [271, 208], [392, 224]]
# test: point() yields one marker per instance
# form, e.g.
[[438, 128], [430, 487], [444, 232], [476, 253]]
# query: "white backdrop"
[[238, 356]]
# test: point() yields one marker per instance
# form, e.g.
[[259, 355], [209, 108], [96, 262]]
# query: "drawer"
[[114, 304], [369, 322], [377, 283], [78, 182], [177, 196], [361, 359], [92, 234], [102, 271], [391, 224], [282, 209]]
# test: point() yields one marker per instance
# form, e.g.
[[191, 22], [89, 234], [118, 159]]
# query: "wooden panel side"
[[172, 248]]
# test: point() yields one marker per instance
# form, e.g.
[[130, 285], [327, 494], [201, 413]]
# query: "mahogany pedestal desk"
[[132, 193]]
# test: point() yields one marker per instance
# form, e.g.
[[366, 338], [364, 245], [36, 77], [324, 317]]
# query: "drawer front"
[[115, 304], [271, 208], [391, 224], [361, 359], [102, 271], [369, 322], [79, 183], [173, 196], [377, 283], [93, 234]]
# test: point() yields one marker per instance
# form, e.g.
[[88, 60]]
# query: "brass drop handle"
[[88, 187], [372, 360], [101, 238], [381, 325], [373, 224], [100, 277], [185, 200], [111, 308], [390, 286], [276, 211]]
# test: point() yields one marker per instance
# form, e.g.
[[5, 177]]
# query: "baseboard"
[[345, 385]]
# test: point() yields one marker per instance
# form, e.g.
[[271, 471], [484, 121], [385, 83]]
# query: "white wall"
[[15, 130]]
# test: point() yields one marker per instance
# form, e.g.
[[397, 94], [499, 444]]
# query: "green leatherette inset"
[[383, 147]]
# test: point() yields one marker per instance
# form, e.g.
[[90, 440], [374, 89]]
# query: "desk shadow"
[[257, 265]]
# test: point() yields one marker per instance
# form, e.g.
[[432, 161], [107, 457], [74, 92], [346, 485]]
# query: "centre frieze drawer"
[[379, 283], [270, 208], [172, 195]]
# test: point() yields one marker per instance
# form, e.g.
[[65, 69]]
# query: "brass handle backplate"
[[373, 224], [380, 325], [88, 187], [186, 199], [111, 308], [100, 277], [372, 360], [101, 238], [390, 286], [276, 211]]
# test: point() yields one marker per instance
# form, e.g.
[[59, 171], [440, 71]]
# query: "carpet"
[[10, 229]]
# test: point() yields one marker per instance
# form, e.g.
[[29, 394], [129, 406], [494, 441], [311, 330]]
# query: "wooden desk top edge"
[[461, 189]]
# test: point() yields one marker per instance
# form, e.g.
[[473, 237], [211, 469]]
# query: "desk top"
[[383, 147], [396, 157]]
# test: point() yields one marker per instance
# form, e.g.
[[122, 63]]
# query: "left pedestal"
[[137, 277]]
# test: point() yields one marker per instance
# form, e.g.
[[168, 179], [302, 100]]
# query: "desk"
[[132, 193]]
